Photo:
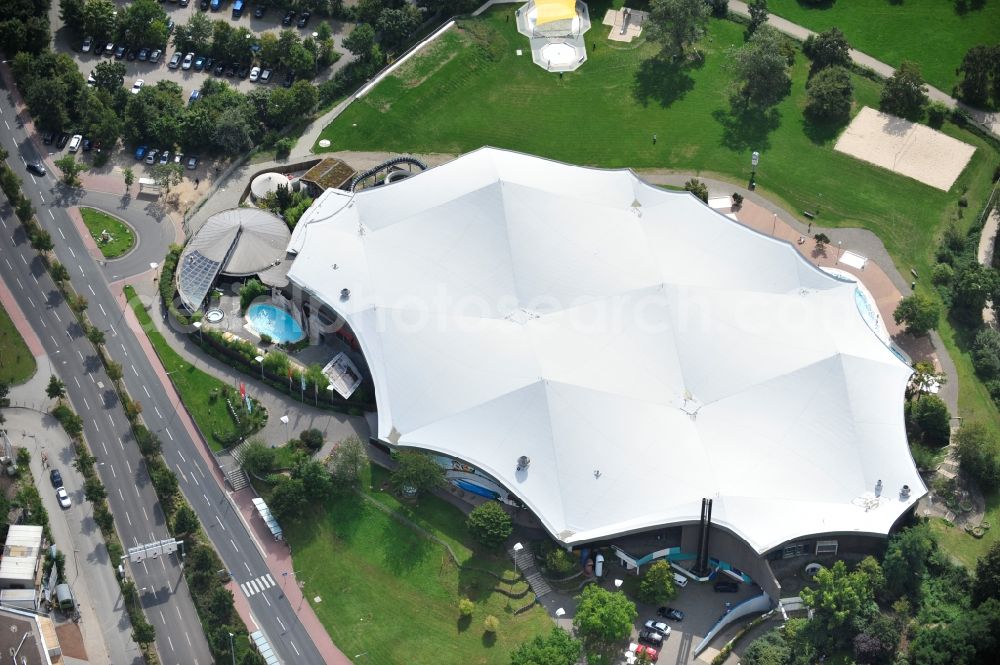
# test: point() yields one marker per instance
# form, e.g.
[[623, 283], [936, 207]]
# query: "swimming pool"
[[274, 322]]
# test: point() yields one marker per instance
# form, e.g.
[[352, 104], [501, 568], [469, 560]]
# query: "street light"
[[840, 249], [260, 359], [517, 548], [284, 419], [618, 584], [201, 336], [232, 652], [754, 161], [560, 612]]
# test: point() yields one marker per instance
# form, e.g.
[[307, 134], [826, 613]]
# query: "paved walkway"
[[989, 121]]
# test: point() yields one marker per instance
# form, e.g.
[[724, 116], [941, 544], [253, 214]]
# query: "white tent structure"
[[641, 349]]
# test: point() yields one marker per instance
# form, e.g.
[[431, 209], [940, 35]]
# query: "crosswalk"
[[257, 585]]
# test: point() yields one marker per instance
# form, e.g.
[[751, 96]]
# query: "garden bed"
[[114, 237]]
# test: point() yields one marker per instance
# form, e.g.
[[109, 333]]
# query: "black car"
[[670, 613], [259, 11], [86, 145], [289, 17], [219, 68], [63, 139], [650, 637], [183, 3], [130, 55], [119, 52], [230, 71], [289, 80], [37, 169], [143, 54], [56, 478], [203, 5], [48, 138], [209, 64], [304, 19], [725, 586], [243, 71]]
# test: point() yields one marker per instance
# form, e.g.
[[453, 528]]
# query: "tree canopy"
[[928, 420], [919, 312], [828, 49], [676, 24], [657, 584], [760, 68], [603, 617], [837, 598], [556, 648], [830, 94], [490, 524], [904, 94], [418, 471]]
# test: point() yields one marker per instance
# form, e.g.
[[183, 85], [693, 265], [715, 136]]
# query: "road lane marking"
[[234, 545], [168, 637], [283, 629], [144, 513], [195, 479], [23, 259], [96, 426], [224, 528], [81, 271], [113, 474], [122, 495], [31, 301], [111, 420], [201, 472], [113, 331], [71, 252], [178, 610], [39, 193], [78, 352], [123, 350], [122, 444], [158, 413], [105, 448], [129, 520], [5, 122], [133, 370], [42, 321], [8, 263], [61, 233], [35, 278], [57, 316], [182, 456], [168, 433], [91, 290], [102, 309], [180, 472], [85, 403], [53, 338], [293, 646], [77, 382], [130, 471], [206, 499], [164, 620], [248, 567], [185, 632], [51, 215], [146, 390], [34, 181], [19, 283]]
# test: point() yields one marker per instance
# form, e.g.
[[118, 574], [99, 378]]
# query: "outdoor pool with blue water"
[[274, 322]]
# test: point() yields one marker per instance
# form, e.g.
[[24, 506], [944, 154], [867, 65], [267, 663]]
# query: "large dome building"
[[612, 355]]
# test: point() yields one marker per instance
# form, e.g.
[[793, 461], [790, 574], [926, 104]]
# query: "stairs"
[[236, 476], [526, 566]]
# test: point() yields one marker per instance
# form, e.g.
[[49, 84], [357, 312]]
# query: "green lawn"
[[122, 236], [929, 32], [17, 365], [388, 591], [199, 391]]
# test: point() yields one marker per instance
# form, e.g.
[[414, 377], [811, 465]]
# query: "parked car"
[[289, 17], [91, 80], [154, 55], [183, 3], [214, 5], [658, 626], [88, 43], [143, 54], [36, 167], [203, 5], [650, 637], [199, 63], [265, 76], [178, 158], [219, 68], [259, 11], [165, 157], [175, 61], [254, 74], [192, 163], [137, 86], [289, 80], [670, 613], [188, 60], [120, 52], [243, 71], [63, 497], [130, 55], [140, 152], [55, 478], [109, 50], [238, 6], [647, 651], [209, 63], [87, 145], [304, 19], [726, 586], [195, 94], [48, 137], [230, 70], [151, 157], [74, 143], [170, 26], [63, 138], [680, 580]]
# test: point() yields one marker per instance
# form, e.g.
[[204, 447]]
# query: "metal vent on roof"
[[523, 462]]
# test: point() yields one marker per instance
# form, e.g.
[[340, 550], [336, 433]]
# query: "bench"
[[809, 215]]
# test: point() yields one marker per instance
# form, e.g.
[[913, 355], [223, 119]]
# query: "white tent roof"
[[509, 305]]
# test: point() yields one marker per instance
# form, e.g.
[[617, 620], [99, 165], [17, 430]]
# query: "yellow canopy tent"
[[549, 11]]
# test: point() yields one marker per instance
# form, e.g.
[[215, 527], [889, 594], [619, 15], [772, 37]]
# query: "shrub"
[[491, 624], [937, 113], [928, 420], [466, 607], [719, 8], [346, 463], [942, 274], [249, 292], [698, 188], [312, 438], [283, 148], [265, 339], [657, 585], [979, 454], [490, 524], [560, 562], [986, 353]]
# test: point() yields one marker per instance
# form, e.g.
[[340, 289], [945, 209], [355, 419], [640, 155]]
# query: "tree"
[[56, 388], [827, 49], [42, 241], [195, 35], [491, 624], [129, 175], [95, 335], [417, 471], [872, 569], [974, 284], [837, 598], [979, 454], [466, 607], [928, 420], [904, 93], [143, 632], [490, 524], [99, 120], [143, 23], [312, 438], [99, 20], [395, 25], [257, 458], [168, 175], [758, 14], [185, 521], [59, 272], [603, 617], [906, 561], [919, 313], [114, 370], [876, 644], [986, 353], [93, 490], [233, 133], [980, 64], [109, 75], [698, 188], [47, 99], [556, 648], [676, 24], [71, 13], [830, 94], [987, 581], [560, 562], [760, 69], [657, 584], [771, 648], [315, 479], [288, 499], [347, 462], [361, 41]]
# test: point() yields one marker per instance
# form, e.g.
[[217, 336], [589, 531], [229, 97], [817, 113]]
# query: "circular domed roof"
[[267, 183]]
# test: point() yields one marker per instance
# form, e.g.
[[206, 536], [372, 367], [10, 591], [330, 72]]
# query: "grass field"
[[122, 236], [388, 591], [929, 32], [194, 386], [17, 365]]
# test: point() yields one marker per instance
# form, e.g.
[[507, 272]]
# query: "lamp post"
[[754, 161], [284, 419], [517, 548], [840, 249], [618, 584], [260, 359], [232, 651], [201, 336], [560, 613]]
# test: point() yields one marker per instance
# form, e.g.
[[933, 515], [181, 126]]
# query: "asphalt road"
[[133, 503]]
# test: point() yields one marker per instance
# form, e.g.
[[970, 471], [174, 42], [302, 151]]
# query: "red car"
[[649, 651]]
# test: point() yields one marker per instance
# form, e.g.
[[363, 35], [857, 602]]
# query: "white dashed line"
[[221, 524], [123, 350], [57, 316], [111, 420], [121, 494], [98, 427], [293, 646], [81, 271], [168, 433], [8, 264], [128, 518], [133, 370], [71, 252], [91, 290], [77, 382], [113, 474], [51, 215], [62, 234], [85, 403], [105, 448], [31, 301], [144, 513], [158, 412], [19, 283], [102, 309], [113, 331], [122, 444], [234, 545], [146, 390]]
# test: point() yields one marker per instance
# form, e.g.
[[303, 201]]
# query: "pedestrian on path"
[[654, 139]]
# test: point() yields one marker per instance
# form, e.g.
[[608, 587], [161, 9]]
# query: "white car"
[[137, 86], [254, 74], [74, 143], [63, 497], [188, 60]]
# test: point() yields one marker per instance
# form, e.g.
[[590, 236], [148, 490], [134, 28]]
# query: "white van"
[[680, 580], [74, 143]]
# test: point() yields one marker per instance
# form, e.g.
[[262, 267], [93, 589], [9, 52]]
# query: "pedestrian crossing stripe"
[[257, 585]]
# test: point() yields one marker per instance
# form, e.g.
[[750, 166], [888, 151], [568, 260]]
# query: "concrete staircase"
[[526, 566]]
